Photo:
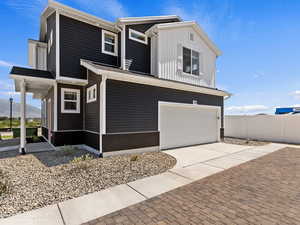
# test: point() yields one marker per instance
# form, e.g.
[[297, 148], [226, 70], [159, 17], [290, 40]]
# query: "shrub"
[[133, 158], [35, 139], [82, 158]]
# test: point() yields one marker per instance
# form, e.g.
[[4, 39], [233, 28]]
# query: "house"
[[137, 84]]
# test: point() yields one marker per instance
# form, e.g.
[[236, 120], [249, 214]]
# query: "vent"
[[191, 36]]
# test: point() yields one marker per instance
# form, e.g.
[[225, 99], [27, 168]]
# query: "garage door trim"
[[175, 104]]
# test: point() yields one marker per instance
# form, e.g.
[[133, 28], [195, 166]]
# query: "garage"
[[188, 124]]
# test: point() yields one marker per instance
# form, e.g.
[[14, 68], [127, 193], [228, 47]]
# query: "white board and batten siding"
[[275, 128], [169, 43]]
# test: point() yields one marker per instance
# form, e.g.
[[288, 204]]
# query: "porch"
[[37, 82]]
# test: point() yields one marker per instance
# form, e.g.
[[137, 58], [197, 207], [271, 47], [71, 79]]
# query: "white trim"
[[102, 110], [70, 80], [91, 89], [151, 31], [132, 151], [23, 118], [133, 20], [57, 44], [123, 47], [115, 44], [55, 90], [148, 80], [77, 91], [28, 78], [136, 39]]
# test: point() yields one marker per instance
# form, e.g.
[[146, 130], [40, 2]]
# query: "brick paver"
[[263, 191]]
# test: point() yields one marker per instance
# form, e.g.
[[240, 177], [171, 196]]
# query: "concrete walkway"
[[193, 163]]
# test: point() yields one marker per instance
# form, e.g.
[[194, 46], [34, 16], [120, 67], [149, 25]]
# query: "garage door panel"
[[183, 126]]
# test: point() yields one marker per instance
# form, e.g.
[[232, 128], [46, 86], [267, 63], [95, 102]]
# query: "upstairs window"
[[109, 43], [91, 94], [50, 41], [70, 100], [138, 36], [191, 61]]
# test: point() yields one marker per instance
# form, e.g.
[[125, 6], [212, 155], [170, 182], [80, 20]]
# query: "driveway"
[[262, 191]]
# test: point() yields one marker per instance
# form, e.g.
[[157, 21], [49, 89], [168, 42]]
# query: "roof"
[[135, 77], [130, 20], [192, 24], [21, 71]]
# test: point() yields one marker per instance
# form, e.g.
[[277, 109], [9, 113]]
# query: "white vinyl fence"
[[276, 128]]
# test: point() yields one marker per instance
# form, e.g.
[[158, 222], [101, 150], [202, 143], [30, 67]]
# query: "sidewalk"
[[193, 163]]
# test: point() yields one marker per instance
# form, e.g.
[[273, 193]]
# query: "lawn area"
[[36, 180], [5, 123]]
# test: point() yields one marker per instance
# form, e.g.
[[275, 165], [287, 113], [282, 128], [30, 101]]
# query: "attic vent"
[[191, 36]]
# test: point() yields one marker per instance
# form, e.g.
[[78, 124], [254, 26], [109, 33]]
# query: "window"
[[50, 41], [70, 100], [109, 43], [138, 36], [191, 61], [91, 94]]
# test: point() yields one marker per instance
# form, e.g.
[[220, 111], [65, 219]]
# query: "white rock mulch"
[[32, 184]]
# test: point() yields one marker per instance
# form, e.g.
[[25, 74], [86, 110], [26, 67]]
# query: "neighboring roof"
[[131, 20], [21, 71], [193, 24], [135, 77]]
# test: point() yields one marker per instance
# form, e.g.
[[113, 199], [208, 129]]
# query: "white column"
[[102, 110], [23, 118]]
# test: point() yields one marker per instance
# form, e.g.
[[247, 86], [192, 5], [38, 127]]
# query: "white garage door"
[[187, 124]]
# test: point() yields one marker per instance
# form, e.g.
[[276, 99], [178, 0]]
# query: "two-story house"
[[137, 84]]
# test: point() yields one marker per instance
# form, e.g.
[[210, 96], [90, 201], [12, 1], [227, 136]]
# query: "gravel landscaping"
[[36, 180], [238, 141]]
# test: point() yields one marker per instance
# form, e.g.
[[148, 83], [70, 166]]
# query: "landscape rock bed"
[[34, 184], [239, 141]]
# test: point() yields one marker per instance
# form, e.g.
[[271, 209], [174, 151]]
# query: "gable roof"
[[192, 24]]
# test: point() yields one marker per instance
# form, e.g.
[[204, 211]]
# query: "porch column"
[[23, 119]]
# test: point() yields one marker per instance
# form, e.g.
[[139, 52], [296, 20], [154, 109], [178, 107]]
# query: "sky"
[[260, 41]]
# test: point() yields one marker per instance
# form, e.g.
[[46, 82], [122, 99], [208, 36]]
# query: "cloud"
[[247, 108], [112, 8], [6, 85], [296, 94], [5, 64], [258, 74]]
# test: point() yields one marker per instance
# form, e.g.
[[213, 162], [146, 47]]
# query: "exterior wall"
[[69, 121], [138, 55], [274, 128], [169, 41], [51, 56], [92, 109], [79, 40], [134, 107]]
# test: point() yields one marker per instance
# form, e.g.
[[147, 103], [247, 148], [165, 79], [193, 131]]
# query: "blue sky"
[[260, 41]]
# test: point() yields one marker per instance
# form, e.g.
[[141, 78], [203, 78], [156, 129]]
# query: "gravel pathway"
[[32, 183], [238, 141]]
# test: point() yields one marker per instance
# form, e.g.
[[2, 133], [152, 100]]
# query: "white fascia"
[[57, 45]]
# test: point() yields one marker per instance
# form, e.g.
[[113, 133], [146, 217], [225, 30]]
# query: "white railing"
[[276, 128]]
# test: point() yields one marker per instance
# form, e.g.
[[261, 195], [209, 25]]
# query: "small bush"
[[67, 150], [35, 139], [3, 188], [133, 158], [82, 158]]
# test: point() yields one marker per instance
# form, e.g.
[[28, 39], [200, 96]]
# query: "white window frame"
[[138, 33], [77, 91], [200, 63], [91, 89], [115, 53]]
